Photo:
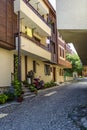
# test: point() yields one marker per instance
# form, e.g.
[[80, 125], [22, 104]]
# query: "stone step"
[[25, 89], [28, 94]]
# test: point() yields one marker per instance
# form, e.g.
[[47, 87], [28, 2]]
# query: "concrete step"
[[28, 94], [25, 89]]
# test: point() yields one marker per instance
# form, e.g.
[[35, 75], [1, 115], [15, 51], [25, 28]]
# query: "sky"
[[53, 2]]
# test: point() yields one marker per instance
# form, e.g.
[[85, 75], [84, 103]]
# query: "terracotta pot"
[[19, 99]]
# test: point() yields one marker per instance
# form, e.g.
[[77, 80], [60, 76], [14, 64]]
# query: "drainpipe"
[[19, 49]]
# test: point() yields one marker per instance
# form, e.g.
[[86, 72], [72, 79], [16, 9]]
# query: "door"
[[54, 74]]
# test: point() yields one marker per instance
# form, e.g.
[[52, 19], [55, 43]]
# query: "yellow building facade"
[[35, 33]]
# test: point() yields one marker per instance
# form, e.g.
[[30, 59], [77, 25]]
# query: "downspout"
[[19, 49]]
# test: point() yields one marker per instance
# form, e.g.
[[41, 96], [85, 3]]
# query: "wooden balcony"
[[64, 63], [54, 58]]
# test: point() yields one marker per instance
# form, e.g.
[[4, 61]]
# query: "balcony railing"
[[68, 64], [64, 63], [54, 58], [53, 37], [33, 40], [35, 11]]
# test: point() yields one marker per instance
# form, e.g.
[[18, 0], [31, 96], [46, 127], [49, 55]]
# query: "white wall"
[[71, 14], [6, 67]]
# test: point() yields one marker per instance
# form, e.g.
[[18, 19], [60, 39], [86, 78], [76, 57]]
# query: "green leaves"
[[3, 98], [17, 88], [76, 63]]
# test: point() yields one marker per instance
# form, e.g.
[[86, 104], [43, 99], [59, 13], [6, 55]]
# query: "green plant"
[[10, 96], [25, 83], [52, 83], [17, 88], [32, 88], [49, 84], [3, 98], [46, 85]]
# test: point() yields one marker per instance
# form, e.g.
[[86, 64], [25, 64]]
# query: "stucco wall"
[[22, 67], [29, 46], [39, 69], [69, 78], [58, 77], [6, 67], [71, 14]]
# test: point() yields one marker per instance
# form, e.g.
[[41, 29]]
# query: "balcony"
[[68, 64], [31, 17], [54, 58], [32, 48], [64, 63]]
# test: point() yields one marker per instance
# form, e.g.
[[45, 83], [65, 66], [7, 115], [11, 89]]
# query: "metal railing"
[[35, 11]]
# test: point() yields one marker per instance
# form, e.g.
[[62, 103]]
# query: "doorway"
[[54, 74]]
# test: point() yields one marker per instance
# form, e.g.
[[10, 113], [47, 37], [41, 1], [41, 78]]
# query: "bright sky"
[[53, 2]]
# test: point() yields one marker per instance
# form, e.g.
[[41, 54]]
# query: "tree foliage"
[[76, 64]]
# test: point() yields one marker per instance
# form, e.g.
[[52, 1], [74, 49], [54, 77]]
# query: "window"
[[26, 30], [54, 48], [60, 72], [47, 69], [60, 51], [53, 27], [62, 54], [34, 66]]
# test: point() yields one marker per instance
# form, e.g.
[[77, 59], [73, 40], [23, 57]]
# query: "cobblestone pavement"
[[47, 111]]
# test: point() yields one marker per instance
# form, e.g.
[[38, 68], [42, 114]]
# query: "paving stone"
[[46, 112], [85, 124]]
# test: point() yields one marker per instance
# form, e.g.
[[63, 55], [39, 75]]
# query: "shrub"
[[3, 98], [46, 85], [32, 88], [49, 84], [10, 96], [17, 88], [52, 83]]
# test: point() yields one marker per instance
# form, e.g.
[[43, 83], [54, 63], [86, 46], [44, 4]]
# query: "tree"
[[76, 64]]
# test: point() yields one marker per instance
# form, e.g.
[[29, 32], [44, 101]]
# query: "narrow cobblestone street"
[[47, 111]]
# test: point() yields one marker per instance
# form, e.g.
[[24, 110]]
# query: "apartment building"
[[63, 49], [7, 44], [29, 31], [27, 25]]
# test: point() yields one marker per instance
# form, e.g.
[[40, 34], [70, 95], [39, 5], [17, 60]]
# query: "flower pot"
[[19, 99]]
